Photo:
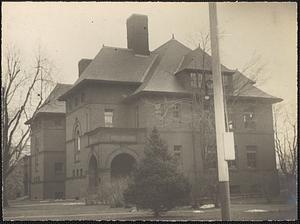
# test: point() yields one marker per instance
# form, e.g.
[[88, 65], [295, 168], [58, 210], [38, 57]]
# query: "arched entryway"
[[122, 166], [93, 175]]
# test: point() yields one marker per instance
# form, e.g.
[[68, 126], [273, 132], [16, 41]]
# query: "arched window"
[[77, 144], [78, 140]]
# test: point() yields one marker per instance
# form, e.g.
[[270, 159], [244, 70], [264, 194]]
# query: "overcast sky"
[[68, 32]]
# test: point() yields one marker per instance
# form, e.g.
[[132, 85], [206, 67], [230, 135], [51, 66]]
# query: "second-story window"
[[108, 117], [251, 156], [249, 119]]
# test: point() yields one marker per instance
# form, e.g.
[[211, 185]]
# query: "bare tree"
[[286, 146], [22, 95]]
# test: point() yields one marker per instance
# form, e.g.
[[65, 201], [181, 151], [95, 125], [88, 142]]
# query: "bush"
[[112, 193], [157, 185]]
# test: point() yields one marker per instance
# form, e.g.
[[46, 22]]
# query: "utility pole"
[[219, 114]]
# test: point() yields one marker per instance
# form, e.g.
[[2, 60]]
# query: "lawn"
[[76, 210]]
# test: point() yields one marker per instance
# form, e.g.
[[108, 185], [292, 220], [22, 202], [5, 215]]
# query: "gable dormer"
[[195, 72]]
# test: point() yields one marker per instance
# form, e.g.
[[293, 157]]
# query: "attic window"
[[194, 80]]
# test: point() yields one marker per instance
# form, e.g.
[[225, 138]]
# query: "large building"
[[93, 131]]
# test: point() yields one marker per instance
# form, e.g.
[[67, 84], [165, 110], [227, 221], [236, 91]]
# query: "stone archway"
[[122, 166], [92, 175]]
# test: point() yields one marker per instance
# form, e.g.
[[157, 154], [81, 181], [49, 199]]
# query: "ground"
[[77, 210]]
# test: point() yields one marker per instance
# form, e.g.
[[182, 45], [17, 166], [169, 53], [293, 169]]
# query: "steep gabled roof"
[[200, 60], [51, 104], [117, 64], [161, 78]]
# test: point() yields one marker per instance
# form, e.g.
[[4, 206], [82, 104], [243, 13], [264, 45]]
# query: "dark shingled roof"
[[198, 59], [244, 87], [171, 55], [161, 78], [155, 72], [51, 104], [117, 64]]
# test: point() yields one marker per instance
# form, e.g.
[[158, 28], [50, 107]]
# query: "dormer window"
[[194, 80], [209, 84]]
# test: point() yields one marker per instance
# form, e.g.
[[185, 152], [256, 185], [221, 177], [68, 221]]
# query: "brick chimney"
[[82, 64], [137, 34]]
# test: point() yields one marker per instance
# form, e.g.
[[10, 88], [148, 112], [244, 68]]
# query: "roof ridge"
[[171, 40]]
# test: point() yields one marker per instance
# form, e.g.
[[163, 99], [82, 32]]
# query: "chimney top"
[[137, 34]]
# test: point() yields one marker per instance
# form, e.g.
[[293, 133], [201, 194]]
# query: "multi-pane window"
[[58, 168], [199, 80], [108, 117], [196, 80], [176, 110], [249, 119], [251, 156], [193, 80], [81, 172]]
